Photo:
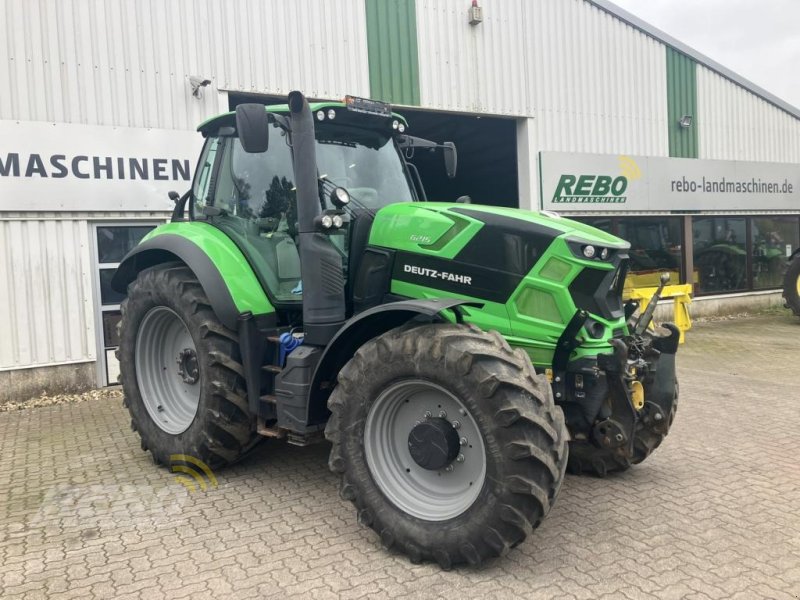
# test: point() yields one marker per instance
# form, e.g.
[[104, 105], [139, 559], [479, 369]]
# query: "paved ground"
[[714, 513]]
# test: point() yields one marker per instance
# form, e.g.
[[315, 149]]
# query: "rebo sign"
[[47, 167]]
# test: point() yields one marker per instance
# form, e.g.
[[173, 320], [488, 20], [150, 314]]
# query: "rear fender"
[[222, 270]]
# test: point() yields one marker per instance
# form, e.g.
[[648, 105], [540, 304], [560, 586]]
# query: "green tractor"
[[458, 357], [791, 284]]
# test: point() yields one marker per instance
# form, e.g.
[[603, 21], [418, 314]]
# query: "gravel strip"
[[45, 400]]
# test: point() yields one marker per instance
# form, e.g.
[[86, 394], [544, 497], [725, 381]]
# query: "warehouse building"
[[574, 106]]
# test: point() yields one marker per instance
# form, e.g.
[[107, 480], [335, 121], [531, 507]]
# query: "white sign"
[[613, 182], [61, 167]]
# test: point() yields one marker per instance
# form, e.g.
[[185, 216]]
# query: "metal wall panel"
[[735, 124], [592, 82], [127, 63], [45, 292], [392, 44], [681, 101]]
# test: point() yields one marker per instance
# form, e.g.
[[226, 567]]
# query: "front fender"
[[225, 275], [361, 328]]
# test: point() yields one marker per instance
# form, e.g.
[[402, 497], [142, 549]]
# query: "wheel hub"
[[187, 366], [433, 444]]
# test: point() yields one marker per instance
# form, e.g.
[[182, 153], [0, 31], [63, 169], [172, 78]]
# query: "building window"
[[720, 254], [656, 247], [112, 243], [772, 240]]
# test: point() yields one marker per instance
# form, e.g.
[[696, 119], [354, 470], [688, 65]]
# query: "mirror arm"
[[180, 206]]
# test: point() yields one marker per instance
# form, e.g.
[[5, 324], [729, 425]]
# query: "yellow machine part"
[[681, 294]]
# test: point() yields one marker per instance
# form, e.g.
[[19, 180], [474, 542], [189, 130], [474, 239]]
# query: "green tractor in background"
[[450, 352], [791, 284]]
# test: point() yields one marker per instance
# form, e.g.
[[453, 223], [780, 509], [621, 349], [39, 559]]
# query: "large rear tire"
[[791, 286], [502, 461], [181, 372]]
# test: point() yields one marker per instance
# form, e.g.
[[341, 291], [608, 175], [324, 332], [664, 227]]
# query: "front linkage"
[[619, 408]]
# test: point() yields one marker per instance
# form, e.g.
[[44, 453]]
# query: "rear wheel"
[[791, 286], [181, 372], [447, 442]]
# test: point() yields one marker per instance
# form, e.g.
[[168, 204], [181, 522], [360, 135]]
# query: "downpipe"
[[320, 263]]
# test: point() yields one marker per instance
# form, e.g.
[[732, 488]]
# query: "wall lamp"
[[685, 121]]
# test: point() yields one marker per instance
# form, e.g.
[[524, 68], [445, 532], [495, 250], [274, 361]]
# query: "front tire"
[[181, 372], [502, 475]]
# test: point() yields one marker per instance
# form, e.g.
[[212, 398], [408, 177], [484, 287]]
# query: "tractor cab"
[[251, 195]]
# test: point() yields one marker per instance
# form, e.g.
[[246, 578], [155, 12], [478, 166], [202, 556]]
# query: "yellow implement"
[[680, 293]]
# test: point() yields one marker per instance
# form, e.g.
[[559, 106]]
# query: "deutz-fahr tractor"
[[458, 357]]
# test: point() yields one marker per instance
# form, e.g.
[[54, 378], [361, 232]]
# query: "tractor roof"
[[229, 118]]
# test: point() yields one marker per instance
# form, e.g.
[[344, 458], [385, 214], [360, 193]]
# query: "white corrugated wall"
[[46, 297], [45, 292], [127, 63], [735, 124], [591, 82]]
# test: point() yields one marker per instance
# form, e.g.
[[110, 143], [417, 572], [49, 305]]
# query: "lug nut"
[[449, 468], [618, 437], [463, 441], [558, 394], [463, 412], [557, 380], [442, 414], [456, 424], [658, 416], [428, 414], [460, 458]]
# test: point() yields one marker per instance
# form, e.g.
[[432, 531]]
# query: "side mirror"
[[174, 196], [252, 126], [450, 158]]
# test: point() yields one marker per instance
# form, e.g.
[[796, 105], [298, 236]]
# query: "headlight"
[[327, 221], [331, 114], [604, 253], [401, 128], [320, 115], [395, 124], [338, 221], [589, 251]]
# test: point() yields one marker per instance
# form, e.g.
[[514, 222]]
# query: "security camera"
[[197, 83]]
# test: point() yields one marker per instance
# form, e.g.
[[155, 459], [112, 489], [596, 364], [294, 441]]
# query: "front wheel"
[[181, 371], [447, 442]]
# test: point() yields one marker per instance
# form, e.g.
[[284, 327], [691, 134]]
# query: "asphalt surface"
[[714, 513]]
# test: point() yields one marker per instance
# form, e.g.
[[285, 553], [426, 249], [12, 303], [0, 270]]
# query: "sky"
[[757, 39]]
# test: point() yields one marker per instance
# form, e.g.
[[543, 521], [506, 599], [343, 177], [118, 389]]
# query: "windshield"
[[365, 162]]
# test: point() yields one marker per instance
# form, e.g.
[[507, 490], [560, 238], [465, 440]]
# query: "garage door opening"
[[487, 153], [487, 156]]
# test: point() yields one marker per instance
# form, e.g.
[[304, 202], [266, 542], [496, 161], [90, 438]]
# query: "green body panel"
[[242, 284], [536, 313], [392, 51], [681, 100]]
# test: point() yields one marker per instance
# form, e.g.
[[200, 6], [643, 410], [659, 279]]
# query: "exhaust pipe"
[[320, 263]]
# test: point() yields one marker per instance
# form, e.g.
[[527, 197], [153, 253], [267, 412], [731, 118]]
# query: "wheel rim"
[[167, 370], [432, 495]]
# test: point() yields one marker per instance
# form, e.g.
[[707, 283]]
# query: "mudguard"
[[363, 327], [223, 272]]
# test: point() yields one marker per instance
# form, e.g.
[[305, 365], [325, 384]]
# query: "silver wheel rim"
[[167, 370], [431, 495]]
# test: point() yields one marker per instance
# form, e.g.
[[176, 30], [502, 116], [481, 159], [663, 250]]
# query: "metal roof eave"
[[667, 39]]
